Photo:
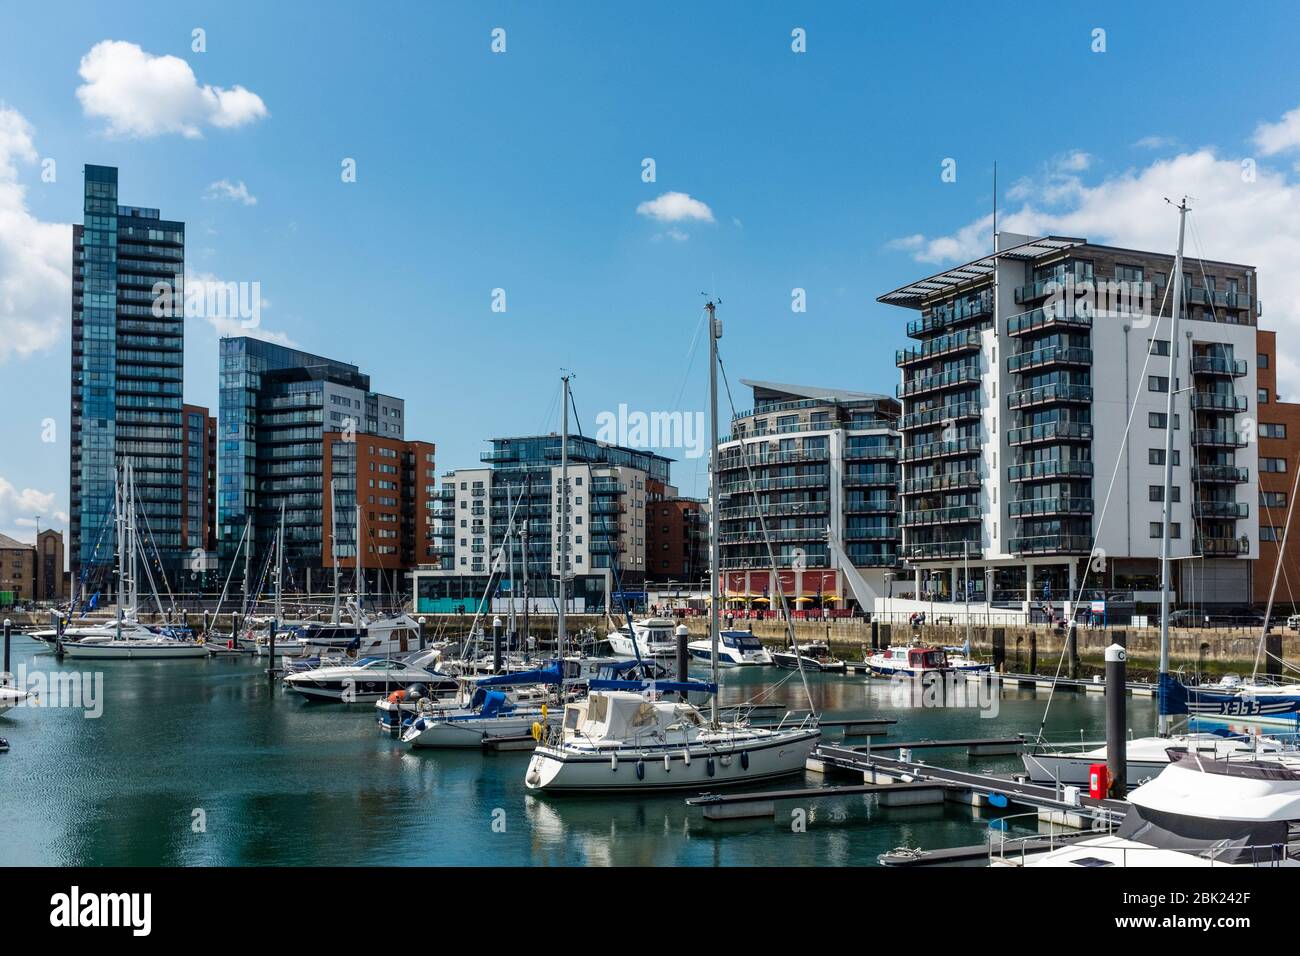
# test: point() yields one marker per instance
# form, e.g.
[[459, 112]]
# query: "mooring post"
[[1273, 648], [683, 656], [886, 631], [1072, 649], [496, 644], [1033, 652], [999, 649], [270, 670], [875, 635], [421, 632], [4, 678], [1116, 745]]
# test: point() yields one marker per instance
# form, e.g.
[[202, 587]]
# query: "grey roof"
[[812, 391], [9, 544], [915, 294]]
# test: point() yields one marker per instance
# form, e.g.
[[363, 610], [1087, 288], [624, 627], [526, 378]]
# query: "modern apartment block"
[[277, 404], [817, 459], [610, 490], [677, 540], [1016, 402], [127, 379], [199, 490], [396, 483], [1278, 431]]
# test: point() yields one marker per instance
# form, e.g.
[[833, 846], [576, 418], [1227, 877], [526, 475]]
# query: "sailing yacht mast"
[[715, 333], [564, 519], [119, 479], [361, 581], [133, 584], [248, 567], [279, 569], [1177, 280], [334, 551]]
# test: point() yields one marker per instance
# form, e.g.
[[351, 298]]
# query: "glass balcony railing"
[[1218, 365], [1220, 474], [957, 411], [1045, 357], [1220, 509], [1057, 392], [1218, 402], [945, 482], [1051, 544], [963, 341], [1035, 507], [1050, 432], [965, 375], [1036, 319], [928, 516], [1052, 468]]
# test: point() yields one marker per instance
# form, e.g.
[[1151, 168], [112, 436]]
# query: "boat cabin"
[[614, 718]]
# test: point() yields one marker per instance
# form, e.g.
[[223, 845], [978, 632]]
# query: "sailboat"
[[633, 736], [125, 640], [1148, 756]]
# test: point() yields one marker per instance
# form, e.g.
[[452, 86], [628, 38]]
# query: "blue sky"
[[523, 171]]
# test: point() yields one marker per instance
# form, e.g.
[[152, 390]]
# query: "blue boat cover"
[[667, 686], [548, 675]]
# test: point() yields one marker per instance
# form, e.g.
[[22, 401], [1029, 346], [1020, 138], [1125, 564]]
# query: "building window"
[[1158, 420], [1272, 464], [1157, 383], [1157, 529], [1157, 493], [1261, 360], [1270, 533], [1262, 396], [1272, 499], [1159, 346], [1271, 430]]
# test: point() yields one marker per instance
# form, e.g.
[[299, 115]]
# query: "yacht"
[[1146, 756], [76, 632], [11, 697], [154, 647], [815, 657], [367, 680], [619, 740], [909, 660], [735, 649], [655, 637], [1197, 812], [491, 713]]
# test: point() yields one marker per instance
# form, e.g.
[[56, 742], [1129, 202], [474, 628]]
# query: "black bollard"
[[1116, 745], [270, 670], [1033, 652], [1072, 650], [8, 628], [999, 649], [1273, 662], [875, 635], [496, 645], [422, 632], [683, 656]]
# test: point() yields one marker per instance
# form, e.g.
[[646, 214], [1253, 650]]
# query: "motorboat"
[[492, 712], [1145, 756], [815, 657], [735, 649], [367, 680], [909, 660], [1243, 701], [1198, 812], [619, 740], [654, 637], [11, 697]]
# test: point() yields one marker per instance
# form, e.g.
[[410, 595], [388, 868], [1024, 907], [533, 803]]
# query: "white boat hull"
[[456, 732], [718, 764], [11, 697], [135, 650]]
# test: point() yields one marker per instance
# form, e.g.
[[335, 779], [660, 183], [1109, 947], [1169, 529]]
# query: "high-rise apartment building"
[[1034, 414], [677, 540], [277, 404], [610, 490], [199, 489], [127, 358], [811, 462]]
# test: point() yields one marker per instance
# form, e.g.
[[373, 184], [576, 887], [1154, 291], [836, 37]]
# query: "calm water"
[[282, 781]]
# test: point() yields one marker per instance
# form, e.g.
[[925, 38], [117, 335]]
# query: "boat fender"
[[537, 730], [640, 769], [686, 757], [744, 760], [396, 695], [613, 763], [668, 764], [709, 766], [726, 760], [534, 778]]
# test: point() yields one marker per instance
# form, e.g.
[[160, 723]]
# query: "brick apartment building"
[[1278, 430]]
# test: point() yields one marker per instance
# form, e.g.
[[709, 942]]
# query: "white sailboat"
[[632, 738], [124, 640]]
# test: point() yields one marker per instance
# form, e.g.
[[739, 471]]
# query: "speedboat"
[[366, 680], [617, 740], [1197, 812], [909, 661], [1145, 756], [815, 657], [654, 637], [735, 649]]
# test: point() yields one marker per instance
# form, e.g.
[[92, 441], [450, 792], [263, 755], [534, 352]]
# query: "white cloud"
[[35, 256], [235, 192], [1075, 161], [1274, 138], [19, 508], [143, 95], [1257, 223], [1156, 142], [675, 207]]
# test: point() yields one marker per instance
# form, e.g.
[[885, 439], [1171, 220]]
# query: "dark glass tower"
[[127, 358]]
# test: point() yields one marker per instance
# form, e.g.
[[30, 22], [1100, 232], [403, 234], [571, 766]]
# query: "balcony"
[[951, 481], [1052, 468], [499, 455], [942, 318], [950, 344], [1051, 356], [943, 449], [1220, 474], [1218, 365], [1040, 507], [1216, 438], [1218, 402], [1220, 509], [1051, 544], [1056, 393], [1036, 319], [953, 515], [873, 478], [733, 462], [966, 375], [871, 506], [1223, 547], [882, 533], [872, 452], [779, 509], [755, 536], [930, 550], [957, 411], [770, 484], [1048, 432]]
